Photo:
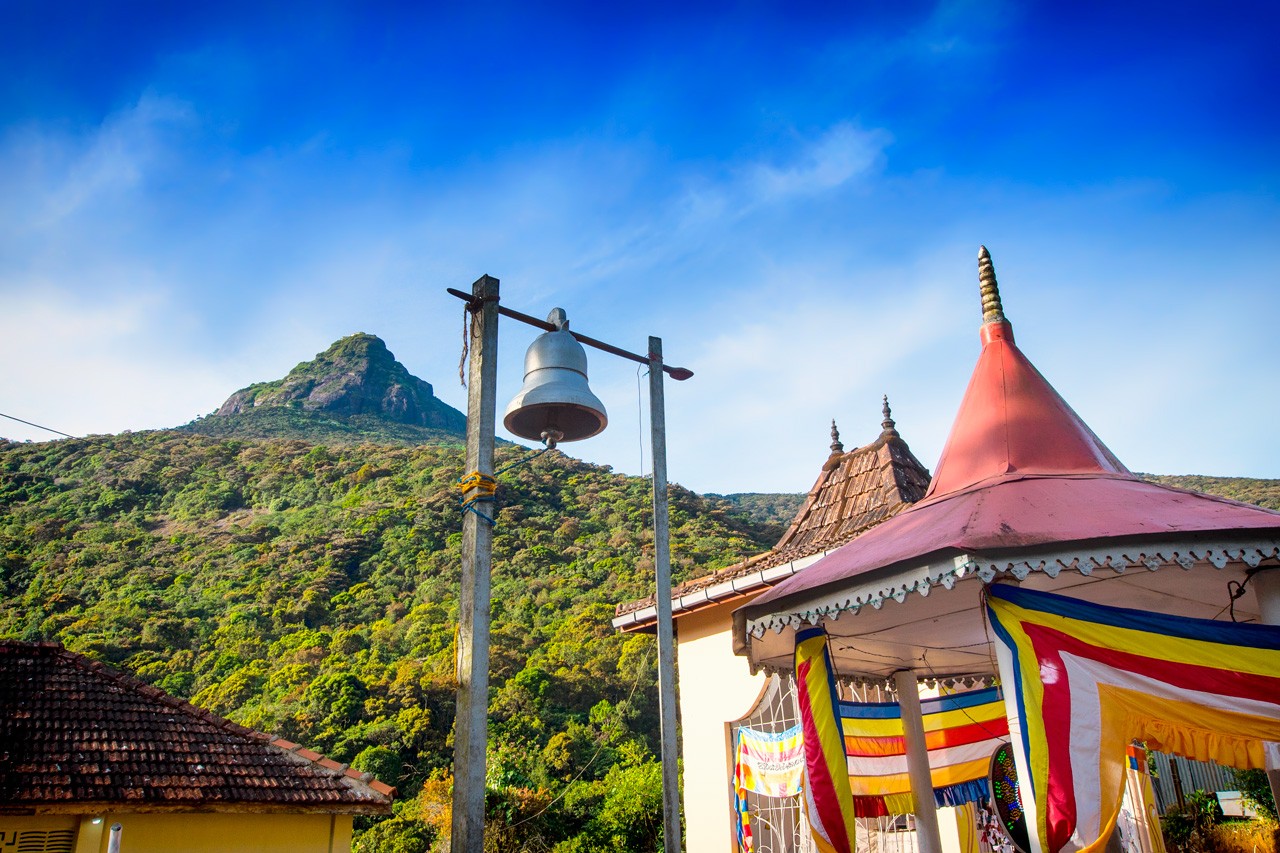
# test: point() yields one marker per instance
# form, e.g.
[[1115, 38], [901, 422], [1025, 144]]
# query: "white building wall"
[[716, 688]]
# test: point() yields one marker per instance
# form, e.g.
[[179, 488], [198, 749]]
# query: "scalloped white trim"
[[920, 580]]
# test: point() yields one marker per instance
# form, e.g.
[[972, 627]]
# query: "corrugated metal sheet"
[[1195, 776]]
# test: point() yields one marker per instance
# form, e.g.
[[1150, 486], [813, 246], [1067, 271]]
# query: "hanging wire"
[[480, 488], [467, 330], [1233, 594], [640, 415], [120, 451], [38, 426], [524, 460]]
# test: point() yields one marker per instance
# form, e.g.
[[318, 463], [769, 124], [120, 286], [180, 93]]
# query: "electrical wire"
[[640, 415], [38, 426]]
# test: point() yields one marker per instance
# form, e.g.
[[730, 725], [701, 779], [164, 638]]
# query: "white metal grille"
[[776, 822]]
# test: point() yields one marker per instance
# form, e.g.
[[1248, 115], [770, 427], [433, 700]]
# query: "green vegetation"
[[775, 511], [1198, 826], [354, 389], [1256, 790], [1245, 489], [308, 588], [310, 591], [320, 427]]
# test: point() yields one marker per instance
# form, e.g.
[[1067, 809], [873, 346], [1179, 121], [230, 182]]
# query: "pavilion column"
[[927, 836], [1266, 586]]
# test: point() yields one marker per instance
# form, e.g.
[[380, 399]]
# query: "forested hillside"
[[1247, 489], [310, 591], [308, 588]]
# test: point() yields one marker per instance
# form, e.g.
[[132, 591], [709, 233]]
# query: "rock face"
[[358, 375]]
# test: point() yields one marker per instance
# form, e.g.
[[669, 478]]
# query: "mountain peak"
[[356, 376]]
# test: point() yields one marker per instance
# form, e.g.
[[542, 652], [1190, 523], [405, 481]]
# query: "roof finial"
[[890, 428], [836, 446], [992, 310]]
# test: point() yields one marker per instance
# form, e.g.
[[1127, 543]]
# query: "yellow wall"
[[716, 687], [193, 832]]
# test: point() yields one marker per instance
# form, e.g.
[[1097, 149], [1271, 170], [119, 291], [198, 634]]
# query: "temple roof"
[[76, 734], [1011, 420], [855, 490], [1020, 470]]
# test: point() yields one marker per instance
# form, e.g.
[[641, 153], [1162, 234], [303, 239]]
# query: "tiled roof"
[[855, 491], [75, 733]]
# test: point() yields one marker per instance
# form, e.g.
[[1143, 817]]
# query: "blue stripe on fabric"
[[806, 633], [870, 710], [1002, 633], [772, 737], [1228, 633], [891, 710], [819, 631], [959, 701], [975, 791]]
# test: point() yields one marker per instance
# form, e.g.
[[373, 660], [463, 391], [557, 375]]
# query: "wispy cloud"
[[149, 267], [841, 154], [56, 174], [83, 366]]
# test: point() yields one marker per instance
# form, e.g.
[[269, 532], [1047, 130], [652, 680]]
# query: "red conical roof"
[[1012, 421], [1020, 470]]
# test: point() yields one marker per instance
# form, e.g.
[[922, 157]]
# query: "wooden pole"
[[671, 840], [471, 729]]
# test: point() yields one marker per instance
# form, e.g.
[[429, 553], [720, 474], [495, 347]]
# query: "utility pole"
[[662, 576], [471, 729]]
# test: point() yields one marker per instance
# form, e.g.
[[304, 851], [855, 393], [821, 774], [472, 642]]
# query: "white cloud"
[[126, 308], [54, 175], [838, 156], [83, 367]]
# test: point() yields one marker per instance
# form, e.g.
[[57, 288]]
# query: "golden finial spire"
[[836, 446], [992, 310], [889, 427]]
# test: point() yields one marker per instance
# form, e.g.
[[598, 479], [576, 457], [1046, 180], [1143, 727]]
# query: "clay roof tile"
[[77, 731]]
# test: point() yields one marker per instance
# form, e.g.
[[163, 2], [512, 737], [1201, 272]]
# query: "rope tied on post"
[[477, 488], [481, 488]]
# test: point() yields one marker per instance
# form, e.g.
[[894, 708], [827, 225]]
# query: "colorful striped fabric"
[[828, 802], [961, 732], [746, 842], [1083, 680], [770, 763], [767, 763]]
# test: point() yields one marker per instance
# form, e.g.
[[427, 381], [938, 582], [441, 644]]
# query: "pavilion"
[[1024, 491]]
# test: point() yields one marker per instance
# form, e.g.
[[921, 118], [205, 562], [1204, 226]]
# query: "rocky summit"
[[357, 376]]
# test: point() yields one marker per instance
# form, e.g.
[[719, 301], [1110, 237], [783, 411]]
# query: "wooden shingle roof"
[[855, 491], [76, 734]]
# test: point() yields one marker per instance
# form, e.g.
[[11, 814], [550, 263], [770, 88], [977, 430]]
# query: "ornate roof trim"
[[885, 478], [946, 572]]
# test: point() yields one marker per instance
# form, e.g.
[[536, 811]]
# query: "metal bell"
[[555, 403]]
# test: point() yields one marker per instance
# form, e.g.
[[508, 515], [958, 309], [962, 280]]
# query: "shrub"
[[1256, 790]]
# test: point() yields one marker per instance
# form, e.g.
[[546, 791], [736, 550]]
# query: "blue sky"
[[194, 199]]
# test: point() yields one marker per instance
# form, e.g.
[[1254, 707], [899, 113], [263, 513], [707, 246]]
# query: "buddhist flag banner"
[[1082, 681], [746, 842], [1144, 823], [770, 763], [766, 763], [828, 802], [961, 731]]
